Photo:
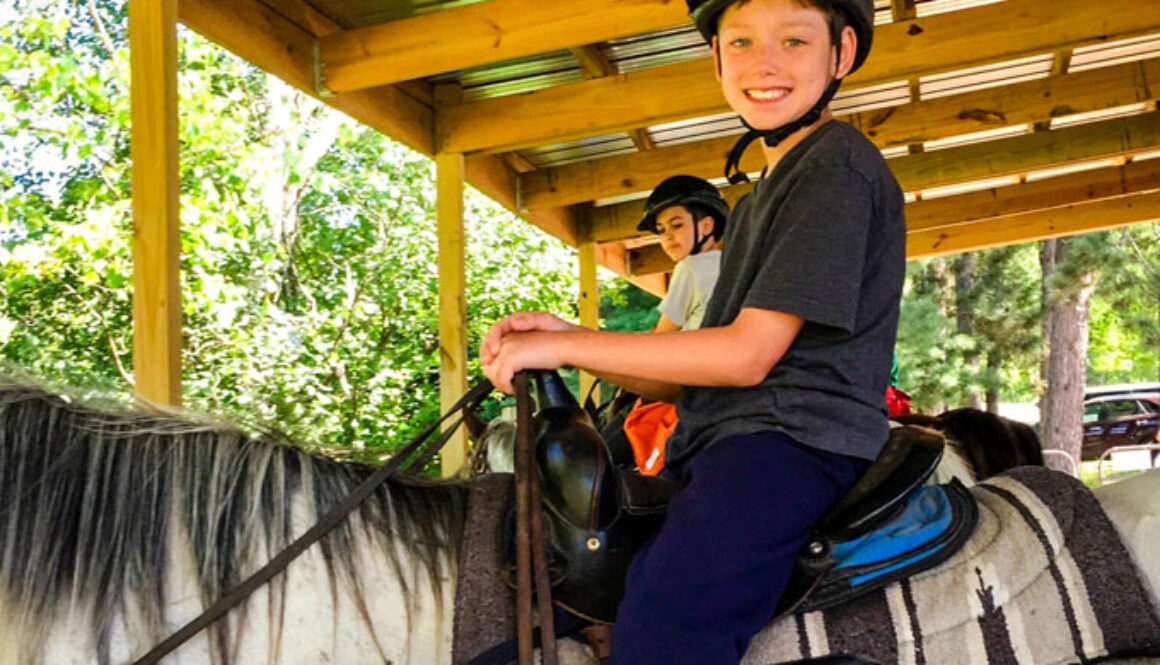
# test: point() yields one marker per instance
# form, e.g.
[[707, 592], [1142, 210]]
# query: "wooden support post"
[[156, 225], [452, 300], [589, 305]]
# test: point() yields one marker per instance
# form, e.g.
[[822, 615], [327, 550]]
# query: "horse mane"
[[92, 497]]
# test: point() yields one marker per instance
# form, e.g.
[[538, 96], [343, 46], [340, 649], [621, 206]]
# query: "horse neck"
[[117, 528]]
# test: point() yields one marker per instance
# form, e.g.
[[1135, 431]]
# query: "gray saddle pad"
[[1044, 580]]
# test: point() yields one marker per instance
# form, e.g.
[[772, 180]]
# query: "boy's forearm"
[[656, 390], [706, 357]]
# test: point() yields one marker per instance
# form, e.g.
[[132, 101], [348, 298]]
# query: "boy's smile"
[[775, 59]]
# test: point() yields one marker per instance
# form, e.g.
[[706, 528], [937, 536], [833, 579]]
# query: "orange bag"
[[648, 427]]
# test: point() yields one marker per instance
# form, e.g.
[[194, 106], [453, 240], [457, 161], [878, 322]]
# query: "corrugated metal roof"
[[656, 49], [592, 147], [943, 6], [1114, 53], [967, 187], [512, 77], [359, 13], [683, 44], [696, 129], [986, 76], [1043, 174], [977, 137], [1102, 114]]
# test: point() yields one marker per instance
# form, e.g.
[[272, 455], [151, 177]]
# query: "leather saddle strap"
[[523, 463], [530, 550], [316, 532]]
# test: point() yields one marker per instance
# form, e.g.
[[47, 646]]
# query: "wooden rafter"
[[592, 61], [641, 139], [304, 15], [1084, 186], [479, 34], [921, 46], [1014, 156], [648, 260], [1089, 200], [901, 10], [628, 174], [613, 255], [263, 36], [1067, 220]]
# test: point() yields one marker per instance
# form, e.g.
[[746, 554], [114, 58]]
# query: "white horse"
[[118, 526]]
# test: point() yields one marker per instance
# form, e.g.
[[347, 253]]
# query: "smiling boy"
[[780, 393]]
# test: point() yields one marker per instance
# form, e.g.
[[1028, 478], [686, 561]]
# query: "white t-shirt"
[[690, 288]]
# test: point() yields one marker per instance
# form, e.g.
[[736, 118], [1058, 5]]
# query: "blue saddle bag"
[[934, 522]]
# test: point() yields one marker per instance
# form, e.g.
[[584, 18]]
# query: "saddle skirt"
[[1044, 580]]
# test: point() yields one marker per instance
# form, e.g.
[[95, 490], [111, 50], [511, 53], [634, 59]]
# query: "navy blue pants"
[[700, 590]]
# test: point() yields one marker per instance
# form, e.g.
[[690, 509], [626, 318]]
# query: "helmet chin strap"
[[698, 239], [775, 136]]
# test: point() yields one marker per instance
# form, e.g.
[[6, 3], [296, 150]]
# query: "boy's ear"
[[705, 225], [714, 47], [849, 41]]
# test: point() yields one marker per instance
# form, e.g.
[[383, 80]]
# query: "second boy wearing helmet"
[[689, 215], [783, 401]]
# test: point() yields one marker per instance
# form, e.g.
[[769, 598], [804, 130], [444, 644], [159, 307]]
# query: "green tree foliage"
[[308, 253], [1125, 322], [308, 241], [625, 307], [1000, 307]]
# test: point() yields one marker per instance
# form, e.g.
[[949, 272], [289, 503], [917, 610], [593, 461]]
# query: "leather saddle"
[[597, 514]]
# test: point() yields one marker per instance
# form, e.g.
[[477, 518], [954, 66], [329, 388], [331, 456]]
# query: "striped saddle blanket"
[[1044, 580]]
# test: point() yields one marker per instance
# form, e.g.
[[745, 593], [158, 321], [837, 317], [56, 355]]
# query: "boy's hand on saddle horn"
[[530, 350], [520, 341], [518, 323]]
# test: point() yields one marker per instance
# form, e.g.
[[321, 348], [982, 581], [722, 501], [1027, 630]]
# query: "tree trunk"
[[1062, 406], [966, 268], [1047, 262], [994, 363]]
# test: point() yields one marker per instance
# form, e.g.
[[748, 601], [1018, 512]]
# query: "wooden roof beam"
[[1027, 227], [614, 256], [282, 47], [902, 10], [916, 122], [1038, 195], [939, 43], [1111, 138], [479, 34], [1076, 203], [260, 35], [592, 61]]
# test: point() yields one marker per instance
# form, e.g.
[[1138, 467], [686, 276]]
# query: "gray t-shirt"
[[823, 238], [693, 280]]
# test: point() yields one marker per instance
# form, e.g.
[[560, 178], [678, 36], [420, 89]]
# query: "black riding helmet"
[[858, 14], [698, 196]]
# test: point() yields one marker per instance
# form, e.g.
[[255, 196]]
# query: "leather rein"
[[416, 454]]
